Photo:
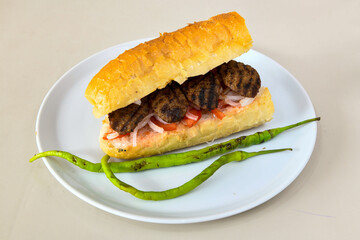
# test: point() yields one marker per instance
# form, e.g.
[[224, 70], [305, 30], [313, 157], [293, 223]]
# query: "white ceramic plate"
[[65, 122]]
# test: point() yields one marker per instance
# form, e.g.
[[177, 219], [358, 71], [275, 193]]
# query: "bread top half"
[[190, 51]]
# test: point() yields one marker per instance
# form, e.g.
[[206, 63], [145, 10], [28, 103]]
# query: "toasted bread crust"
[[187, 52]]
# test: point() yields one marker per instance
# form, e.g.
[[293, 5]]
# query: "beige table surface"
[[317, 41]]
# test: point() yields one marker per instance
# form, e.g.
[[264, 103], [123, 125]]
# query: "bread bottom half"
[[207, 129]]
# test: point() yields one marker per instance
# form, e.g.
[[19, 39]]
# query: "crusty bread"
[[207, 129], [187, 52]]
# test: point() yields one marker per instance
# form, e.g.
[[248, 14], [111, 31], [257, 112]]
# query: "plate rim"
[[171, 220]]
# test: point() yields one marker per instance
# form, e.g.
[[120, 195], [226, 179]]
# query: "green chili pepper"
[[186, 187], [174, 159]]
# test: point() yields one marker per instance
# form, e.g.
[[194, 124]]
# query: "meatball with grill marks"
[[169, 103], [240, 78], [124, 120], [203, 90]]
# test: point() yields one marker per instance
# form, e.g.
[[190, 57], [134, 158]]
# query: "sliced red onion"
[[160, 120], [223, 93], [134, 136], [234, 98], [155, 127], [112, 135], [145, 121], [232, 103], [191, 116], [232, 93], [138, 102], [138, 127], [246, 101]]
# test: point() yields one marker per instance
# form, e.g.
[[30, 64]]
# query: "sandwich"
[[179, 90]]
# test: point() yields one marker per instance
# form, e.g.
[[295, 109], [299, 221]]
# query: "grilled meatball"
[[203, 90], [124, 120], [169, 103], [240, 78]]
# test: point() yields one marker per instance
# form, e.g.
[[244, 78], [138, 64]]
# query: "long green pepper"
[[174, 159], [186, 187]]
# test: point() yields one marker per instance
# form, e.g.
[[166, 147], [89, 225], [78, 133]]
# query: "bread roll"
[[207, 129], [187, 52]]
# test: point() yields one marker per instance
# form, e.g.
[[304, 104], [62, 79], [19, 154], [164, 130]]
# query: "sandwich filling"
[[231, 84]]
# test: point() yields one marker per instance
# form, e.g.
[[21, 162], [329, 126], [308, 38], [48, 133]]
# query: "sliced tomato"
[[191, 122], [217, 113], [119, 136], [166, 127], [196, 112]]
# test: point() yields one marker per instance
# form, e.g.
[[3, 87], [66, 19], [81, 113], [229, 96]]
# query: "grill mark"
[[231, 71], [128, 120], [253, 88], [193, 97], [239, 70], [204, 91], [246, 88], [140, 117], [202, 97], [176, 113], [174, 92], [197, 81], [271, 133], [211, 91]]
